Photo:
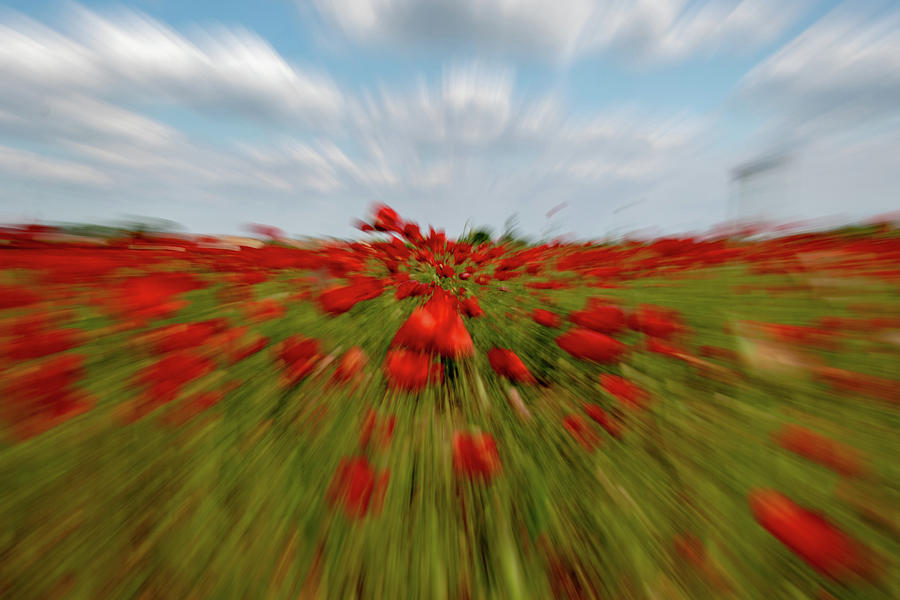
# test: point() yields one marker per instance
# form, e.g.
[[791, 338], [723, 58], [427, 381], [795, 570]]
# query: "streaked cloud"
[[563, 30], [21, 164], [842, 71]]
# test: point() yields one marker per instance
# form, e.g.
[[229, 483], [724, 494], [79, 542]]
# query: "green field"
[[118, 494]]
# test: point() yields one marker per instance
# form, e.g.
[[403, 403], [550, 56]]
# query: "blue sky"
[[301, 113]]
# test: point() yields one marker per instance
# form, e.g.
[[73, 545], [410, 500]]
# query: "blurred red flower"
[[590, 345], [356, 486], [546, 318], [164, 380], [236, 346], [264, 310], [418, 331], [860, 383], [475, 455], [411, 371], [17, 297], [299, 355], [381, 429], [581, 431], [386, 219], [809, 535], [471, 308], [625, 391], [507, 364], [661, 346], [44, 396], [341, 299], [350, 365], [656, 321], [604, 318], [151, 296], [436, 327], [602, 418], [827, 452], [40, 343], [182, 336]]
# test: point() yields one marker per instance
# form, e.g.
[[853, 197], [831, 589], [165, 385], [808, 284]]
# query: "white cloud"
[[841, 72], [79, 117], [74, 99], [18, 163], [135, 58], [642, 30]]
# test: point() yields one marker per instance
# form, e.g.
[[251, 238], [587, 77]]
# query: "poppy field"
[[411, 416]]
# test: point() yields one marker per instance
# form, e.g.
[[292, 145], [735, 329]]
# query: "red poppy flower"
[[602, 418], [436, 327], [660, 346], [605, 318], [151, 296], [267, 231], [16, 297], [590, 345], [581, 431], [236, 346], [549, 285], [350, 365], [624, 390], [546, 318], [656, 321], [249, 350], [411, 371], [809, 535], [43, 397], [475, 455], [165, 378], [264, 310], [250, 277], [30, 325], [860, 383], [299, 355], [506, 364], [182, 336], [452, 339], [386, 219], [339, 300], [818, 448], [357, 486], [412, 233], [418, 332], [470, 307], [42, 343], [800, 335], [407, 288], [381, 429], [483, 279]]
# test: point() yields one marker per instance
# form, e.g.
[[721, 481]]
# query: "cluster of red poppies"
[[135, 282]]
